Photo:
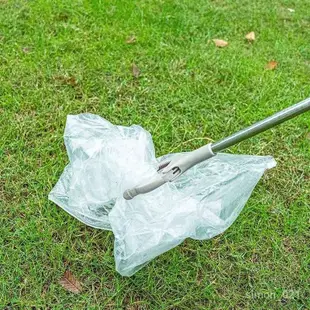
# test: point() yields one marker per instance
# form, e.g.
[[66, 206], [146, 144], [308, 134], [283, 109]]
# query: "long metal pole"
[[262, 125], [172, 169]]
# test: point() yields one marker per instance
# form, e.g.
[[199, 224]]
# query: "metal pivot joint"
[[170, 170]]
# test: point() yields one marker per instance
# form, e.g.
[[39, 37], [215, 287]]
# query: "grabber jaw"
[[170, 170]]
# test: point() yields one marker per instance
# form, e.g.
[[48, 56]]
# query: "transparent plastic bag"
[[105, 160]]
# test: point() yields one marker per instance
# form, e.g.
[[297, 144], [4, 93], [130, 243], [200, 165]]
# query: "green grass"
[[69, 57]]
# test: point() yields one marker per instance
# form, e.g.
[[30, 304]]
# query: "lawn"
[[69, 57]]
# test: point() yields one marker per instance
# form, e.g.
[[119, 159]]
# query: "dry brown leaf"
[[131, 39], [70, 283], [26, 50], [135, 71], [250, 36], [220, 43], [271, 65], [45, 288], [69, 80]]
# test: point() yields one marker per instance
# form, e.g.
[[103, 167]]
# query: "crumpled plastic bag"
[[105, 160]]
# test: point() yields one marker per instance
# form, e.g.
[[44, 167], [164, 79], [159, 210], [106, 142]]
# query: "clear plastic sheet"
[[105, 160]]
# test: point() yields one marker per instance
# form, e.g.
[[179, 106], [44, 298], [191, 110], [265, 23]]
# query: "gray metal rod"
[[170, 170], [262, 125]]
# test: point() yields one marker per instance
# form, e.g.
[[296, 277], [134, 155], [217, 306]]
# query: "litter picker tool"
[[168, 171]]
